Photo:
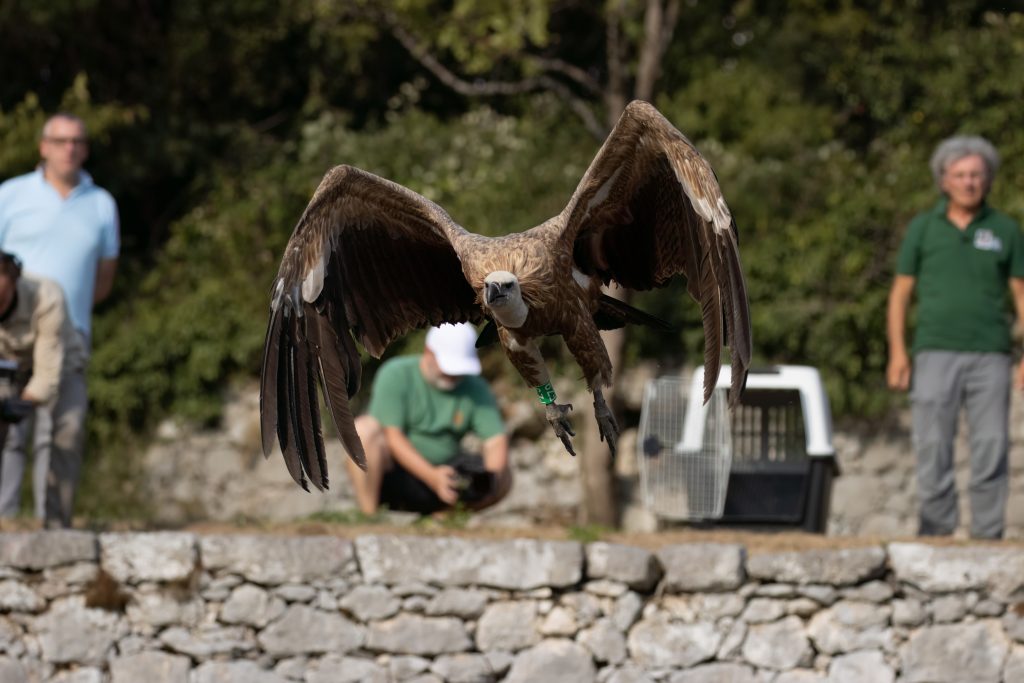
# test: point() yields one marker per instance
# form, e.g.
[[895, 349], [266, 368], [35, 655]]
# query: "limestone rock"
[[520, 564], [553, 660], [334, 668], [951, 653], [151, 667], [859, 667], [508, 626], [370, 602], [274, 560], [252, 606], [606, 643], [951, 569], [70, 633], [702, 567], [779, 645], [835, 567], [849, 626], [44, 549], [416, 635], [457, 602], [234, 672], [635, 567], [718, 672], [17, 597], [209, 640], [305, 630], [84, 674], [156, 556], [627, 673], [463, 668], [657, 642], [150, 610]]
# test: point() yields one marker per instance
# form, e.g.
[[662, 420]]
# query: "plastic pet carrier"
[[768, 461]]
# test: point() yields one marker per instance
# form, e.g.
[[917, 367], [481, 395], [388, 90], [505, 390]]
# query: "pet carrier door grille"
[[684, 455]]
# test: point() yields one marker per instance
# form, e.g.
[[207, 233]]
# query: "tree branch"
[[483, 87], [572, 72]]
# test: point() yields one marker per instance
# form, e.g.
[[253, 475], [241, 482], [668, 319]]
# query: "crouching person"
[[421, 407], [36, 333]]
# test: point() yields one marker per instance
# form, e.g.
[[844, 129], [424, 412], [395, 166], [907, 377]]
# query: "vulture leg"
[[558, 416], [605, 420], [528, 361]]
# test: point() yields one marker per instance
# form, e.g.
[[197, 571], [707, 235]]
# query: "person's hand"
[[443, 481], [1018, 376], [898, 373]]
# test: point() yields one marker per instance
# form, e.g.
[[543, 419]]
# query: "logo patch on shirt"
[[986, 241], [458, 418]]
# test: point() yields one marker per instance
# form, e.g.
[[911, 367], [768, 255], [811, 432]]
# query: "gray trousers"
[[942, 382], [56, 452]]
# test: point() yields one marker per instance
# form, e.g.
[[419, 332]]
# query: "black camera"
[[12, 407]]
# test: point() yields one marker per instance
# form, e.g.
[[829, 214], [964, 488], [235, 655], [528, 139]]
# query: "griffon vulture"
[[373, 259]]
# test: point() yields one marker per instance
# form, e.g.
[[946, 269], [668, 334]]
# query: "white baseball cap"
[[454, 346]]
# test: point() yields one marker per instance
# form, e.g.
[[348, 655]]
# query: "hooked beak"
[[493, 292]]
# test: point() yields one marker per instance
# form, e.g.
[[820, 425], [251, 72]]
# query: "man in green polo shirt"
[[959, 257], [420, 409]]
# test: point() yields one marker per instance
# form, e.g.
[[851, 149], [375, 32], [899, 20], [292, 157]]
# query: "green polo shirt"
[[962, 279], [434, 420]]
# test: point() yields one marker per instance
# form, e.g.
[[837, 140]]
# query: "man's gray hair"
[[67, 117], [960, 146]]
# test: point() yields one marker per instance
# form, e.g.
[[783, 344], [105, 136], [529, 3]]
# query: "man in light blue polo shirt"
[[64, 227]]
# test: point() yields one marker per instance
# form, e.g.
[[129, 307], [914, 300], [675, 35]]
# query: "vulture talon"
[[558, 416], [606, 421]]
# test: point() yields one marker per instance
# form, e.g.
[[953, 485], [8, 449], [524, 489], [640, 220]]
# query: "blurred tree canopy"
[[212, 122]]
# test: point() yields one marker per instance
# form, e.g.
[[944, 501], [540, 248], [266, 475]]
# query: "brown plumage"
[[374, 258]]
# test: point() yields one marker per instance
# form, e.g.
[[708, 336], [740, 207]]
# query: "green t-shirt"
[[962, 279], [434, 420]]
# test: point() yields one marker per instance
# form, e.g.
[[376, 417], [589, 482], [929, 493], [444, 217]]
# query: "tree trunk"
[[600, 502]]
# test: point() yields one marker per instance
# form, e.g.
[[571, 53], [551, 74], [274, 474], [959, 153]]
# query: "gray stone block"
[[43, 549], [157, 556], [151, 667], [835, 567], [521, 564], [553, 660], [955, 653], [415, 635], [695, 567], [635, 567], [305, 630], [275, 560], [950, 569]]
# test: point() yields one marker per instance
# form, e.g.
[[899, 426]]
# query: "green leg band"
[[546, 392]]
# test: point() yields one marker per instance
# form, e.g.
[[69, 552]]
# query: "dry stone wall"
[[165, 607], [222, 475]]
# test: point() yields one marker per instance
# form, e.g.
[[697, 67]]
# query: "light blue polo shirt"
[[62, 239]]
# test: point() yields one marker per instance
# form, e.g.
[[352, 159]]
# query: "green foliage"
[[213, 122]]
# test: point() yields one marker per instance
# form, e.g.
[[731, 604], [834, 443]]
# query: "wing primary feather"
[[268, 383], [739, 325], [711, 313], [301, 377], [286, 432], [333, 382], [318, 474]]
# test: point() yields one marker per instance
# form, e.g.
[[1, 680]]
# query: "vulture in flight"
[[372, 260]]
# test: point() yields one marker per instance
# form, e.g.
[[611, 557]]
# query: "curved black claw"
[[558, 416], [609, 429], [606, 421]]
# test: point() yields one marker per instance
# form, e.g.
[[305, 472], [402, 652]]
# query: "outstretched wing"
[[368, 258], [649, 207]]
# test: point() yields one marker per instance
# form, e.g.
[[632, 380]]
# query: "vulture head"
[[504, 299]]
